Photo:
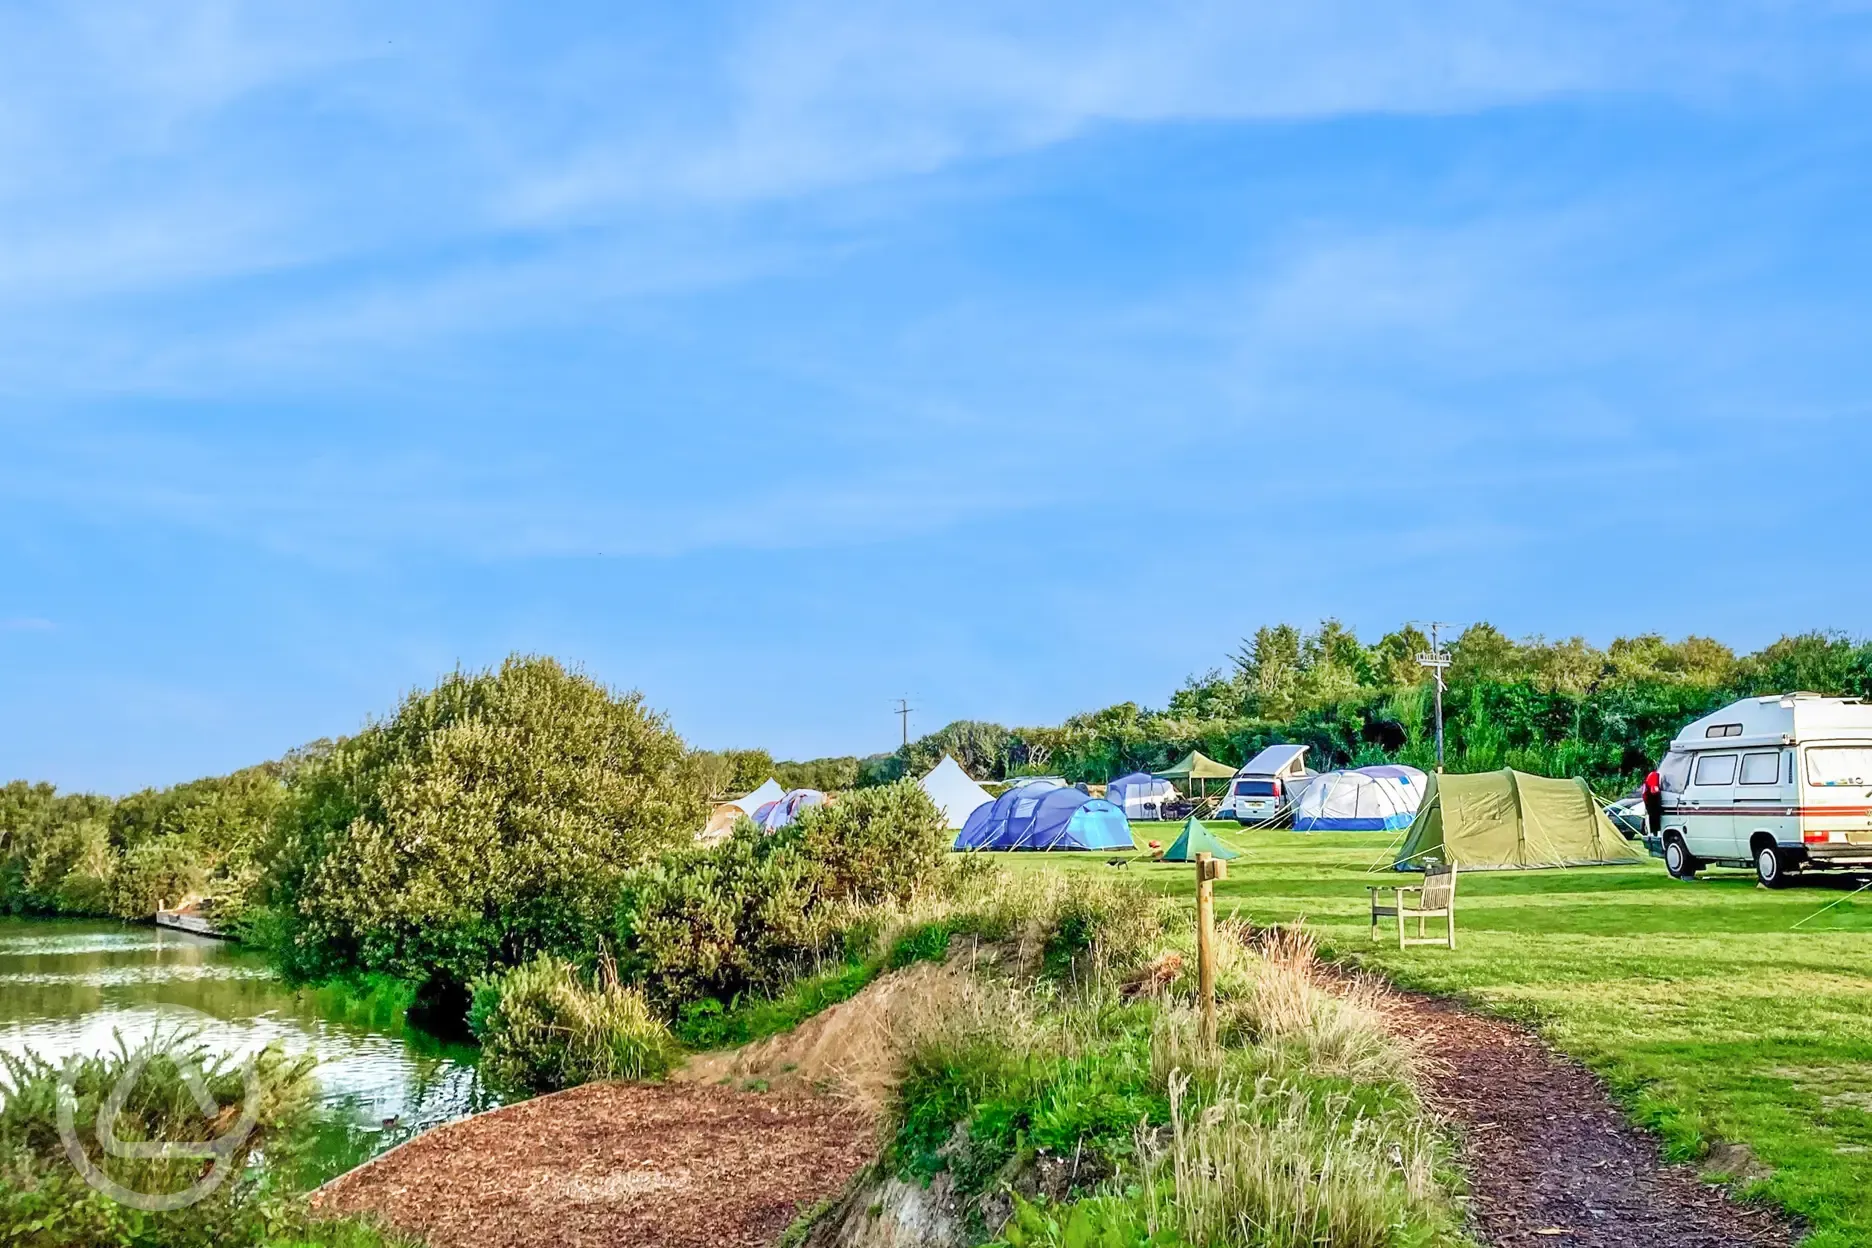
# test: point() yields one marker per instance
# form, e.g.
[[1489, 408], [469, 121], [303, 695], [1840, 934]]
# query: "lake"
[[70, 985]]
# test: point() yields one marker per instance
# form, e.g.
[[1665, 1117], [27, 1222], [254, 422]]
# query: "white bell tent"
[[954, 793]]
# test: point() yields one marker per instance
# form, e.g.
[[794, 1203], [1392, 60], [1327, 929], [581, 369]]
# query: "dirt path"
[[1550, 1159], [617, 1165]]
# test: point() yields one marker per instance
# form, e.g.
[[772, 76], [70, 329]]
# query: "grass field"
[[1711, 1018]]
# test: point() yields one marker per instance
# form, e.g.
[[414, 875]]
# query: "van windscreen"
[[1830, 766], [1254, 788]]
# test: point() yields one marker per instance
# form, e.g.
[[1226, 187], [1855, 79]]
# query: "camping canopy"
[[1366, 799], [1511, 819], [1197, 766], [954, 793], [1196, 839], [1140, 796], [1036, 818], [1198, 769], [769, 791]]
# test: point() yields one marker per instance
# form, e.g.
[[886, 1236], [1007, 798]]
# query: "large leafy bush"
[[491, 819]]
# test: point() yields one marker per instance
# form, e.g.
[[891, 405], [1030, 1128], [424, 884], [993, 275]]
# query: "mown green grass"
[[1710, 1016]]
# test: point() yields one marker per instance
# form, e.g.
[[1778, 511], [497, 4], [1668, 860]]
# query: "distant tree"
[[730, 773], [981, 749], [1482, 652], [1333, 665], [1394, 658], [1569, 666], [1209, 696], [1817, 662], [1649, 657], [828, 775], [1269, 666]]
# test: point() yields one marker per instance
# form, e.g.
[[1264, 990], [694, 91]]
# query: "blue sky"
[[779, 359]]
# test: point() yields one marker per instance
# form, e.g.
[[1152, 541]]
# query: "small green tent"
[[1196, 839], [1511, 819]]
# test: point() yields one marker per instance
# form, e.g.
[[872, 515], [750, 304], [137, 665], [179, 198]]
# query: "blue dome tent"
[[1064, 819]]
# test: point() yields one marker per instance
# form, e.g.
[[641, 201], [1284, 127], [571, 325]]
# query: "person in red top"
[[1654, 802]]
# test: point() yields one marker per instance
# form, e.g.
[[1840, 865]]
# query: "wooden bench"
[[1436, 900]]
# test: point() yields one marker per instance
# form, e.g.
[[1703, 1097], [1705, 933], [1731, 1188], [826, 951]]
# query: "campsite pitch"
[[1712, 1019]]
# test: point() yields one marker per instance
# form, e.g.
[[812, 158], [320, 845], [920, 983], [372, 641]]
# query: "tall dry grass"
[[1277, 1164]]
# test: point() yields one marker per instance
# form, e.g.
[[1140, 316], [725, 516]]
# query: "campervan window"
[[1674, 772], [1716, 769], [1830, 765], [1761, 768], [1254, 788], [1723, 730]]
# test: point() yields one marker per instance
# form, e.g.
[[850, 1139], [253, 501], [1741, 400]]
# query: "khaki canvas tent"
[[1507, 819], [1198, 767], [726, 814]]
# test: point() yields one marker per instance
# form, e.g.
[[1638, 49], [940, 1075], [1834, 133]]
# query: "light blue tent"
[[1066, 819], [1139, 795], [780, 814]]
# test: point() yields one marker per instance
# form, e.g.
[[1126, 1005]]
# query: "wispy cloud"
[[26, 624]]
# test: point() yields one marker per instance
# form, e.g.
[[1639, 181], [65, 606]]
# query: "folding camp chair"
[[1436, 900]]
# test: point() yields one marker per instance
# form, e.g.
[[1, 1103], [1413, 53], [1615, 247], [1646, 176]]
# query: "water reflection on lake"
[[71, 986]]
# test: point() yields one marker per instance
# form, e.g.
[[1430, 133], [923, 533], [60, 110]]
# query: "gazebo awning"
[[1198, 766]]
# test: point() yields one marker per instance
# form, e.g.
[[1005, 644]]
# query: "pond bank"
[[72, 986]]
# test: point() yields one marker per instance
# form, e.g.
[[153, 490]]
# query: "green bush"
[[491, 819], [752, 913], [737, 917], [881, 844], [543, 1026]]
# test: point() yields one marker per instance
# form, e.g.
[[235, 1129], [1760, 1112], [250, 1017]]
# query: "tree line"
[[1550, 707]]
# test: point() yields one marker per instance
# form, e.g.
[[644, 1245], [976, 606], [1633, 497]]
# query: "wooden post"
[[1205, 943]]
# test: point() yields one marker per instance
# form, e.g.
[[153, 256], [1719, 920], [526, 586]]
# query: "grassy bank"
[[1709, 1016], [1062, 1088]]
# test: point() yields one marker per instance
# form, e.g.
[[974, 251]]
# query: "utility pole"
[[903, 712], [1438, 661]]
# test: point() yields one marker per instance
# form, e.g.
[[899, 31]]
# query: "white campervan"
[[1266, 785], [1779, 783]]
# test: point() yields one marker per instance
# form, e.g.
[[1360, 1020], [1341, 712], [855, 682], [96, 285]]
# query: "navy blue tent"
[[1026, 818]]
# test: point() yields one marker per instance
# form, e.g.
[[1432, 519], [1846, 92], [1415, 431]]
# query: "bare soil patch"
[[853, 1050], [1550, 1158], [617, 1165]]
